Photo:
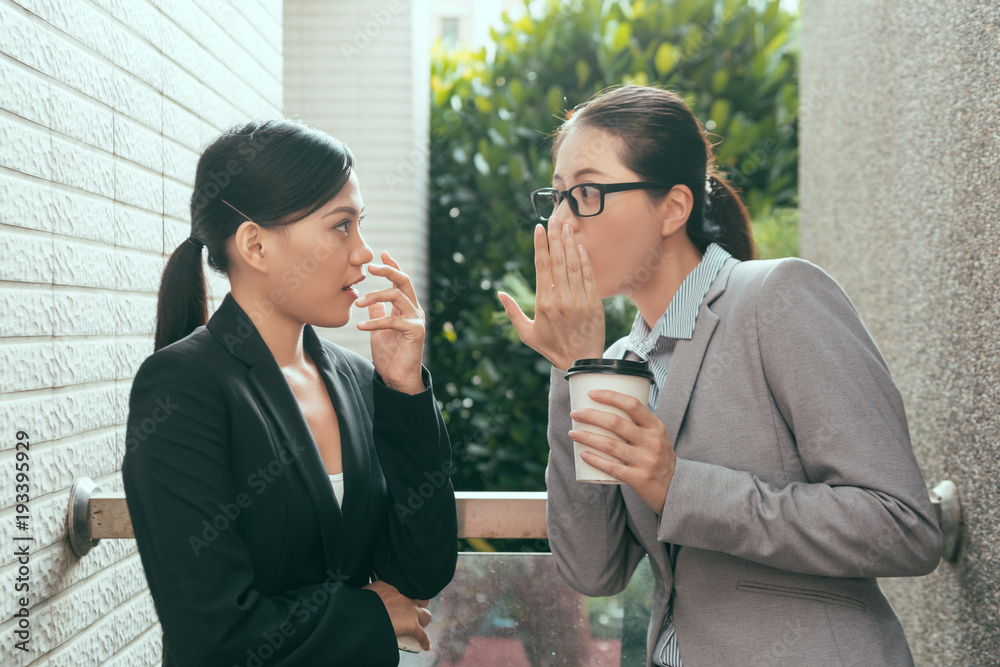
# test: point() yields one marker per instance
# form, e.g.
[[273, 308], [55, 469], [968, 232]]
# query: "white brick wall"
[[104, 108], [360, 70]]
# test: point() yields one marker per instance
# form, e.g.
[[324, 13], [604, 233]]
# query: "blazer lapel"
[[231, 325], [355, 431], [687, 357], [685, 364]]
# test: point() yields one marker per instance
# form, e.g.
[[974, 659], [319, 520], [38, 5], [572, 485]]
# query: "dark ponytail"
[[272, 172], [182, 303], [663, 142], [724, 221]]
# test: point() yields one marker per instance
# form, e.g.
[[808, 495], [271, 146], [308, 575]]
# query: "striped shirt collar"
[[679, 319]]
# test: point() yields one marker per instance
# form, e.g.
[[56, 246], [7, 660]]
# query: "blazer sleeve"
[[178, 488], [594, 549], [864, 511], [419, 547]]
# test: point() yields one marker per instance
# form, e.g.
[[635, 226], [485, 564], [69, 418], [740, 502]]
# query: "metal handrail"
[[96, 515]]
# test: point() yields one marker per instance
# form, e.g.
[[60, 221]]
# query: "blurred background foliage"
[[735, 62]]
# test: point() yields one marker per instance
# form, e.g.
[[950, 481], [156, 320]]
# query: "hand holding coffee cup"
[[627, 377], [637, 452]]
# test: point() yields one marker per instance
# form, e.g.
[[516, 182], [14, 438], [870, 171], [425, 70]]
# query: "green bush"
[[734, 63]]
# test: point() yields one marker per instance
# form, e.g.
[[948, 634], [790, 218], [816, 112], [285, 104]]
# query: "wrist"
[[406, 385], [564, 364], [409, 388]]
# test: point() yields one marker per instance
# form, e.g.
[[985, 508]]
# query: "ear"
[[249, 242], [675, 209]]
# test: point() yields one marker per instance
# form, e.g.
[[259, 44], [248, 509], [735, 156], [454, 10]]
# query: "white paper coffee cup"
[[627, 377]]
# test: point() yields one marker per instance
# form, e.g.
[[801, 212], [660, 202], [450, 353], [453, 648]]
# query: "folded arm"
[[419, 548]]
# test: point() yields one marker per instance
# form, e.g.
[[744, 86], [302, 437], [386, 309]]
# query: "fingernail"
[[596, 393], [573, 434], [566, 231], [575, 414]]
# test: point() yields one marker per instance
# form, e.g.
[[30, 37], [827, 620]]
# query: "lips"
[[351, 286]]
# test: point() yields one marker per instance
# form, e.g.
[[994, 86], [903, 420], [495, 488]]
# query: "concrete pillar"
[[900, 200]]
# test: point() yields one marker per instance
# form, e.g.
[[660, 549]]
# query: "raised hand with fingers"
[[646, 455], [397, 332], [569, 316]]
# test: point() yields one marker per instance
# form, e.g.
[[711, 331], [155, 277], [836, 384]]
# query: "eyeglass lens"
[[545, 202], [586, 201]]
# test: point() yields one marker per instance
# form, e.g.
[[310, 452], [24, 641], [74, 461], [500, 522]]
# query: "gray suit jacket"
[[795, 484]]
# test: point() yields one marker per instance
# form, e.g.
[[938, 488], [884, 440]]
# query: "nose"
[[362, 253], [563, 215]]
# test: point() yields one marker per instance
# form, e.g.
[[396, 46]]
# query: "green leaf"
[[482, 166], [495, 137], [622, 35], [720, 80], [483, 103], [771, 11], [554, 100], [517, 168], [775, 43], [516, 89], [582, 72], [721, 109], [666, 58]]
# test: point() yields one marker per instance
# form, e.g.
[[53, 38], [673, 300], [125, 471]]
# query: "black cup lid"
[[615, 366]]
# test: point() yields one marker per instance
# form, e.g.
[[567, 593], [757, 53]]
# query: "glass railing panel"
[[513, 610]]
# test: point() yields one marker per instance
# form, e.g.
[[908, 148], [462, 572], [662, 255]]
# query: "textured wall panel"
[[25, 148], [900, 193], [80, 215], [105, 106], [25, 202], [136, 229]]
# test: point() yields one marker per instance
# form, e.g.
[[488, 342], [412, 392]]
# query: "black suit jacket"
[[249, 559]]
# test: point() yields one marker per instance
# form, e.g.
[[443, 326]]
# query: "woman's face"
[[623, 241], [319, 260]]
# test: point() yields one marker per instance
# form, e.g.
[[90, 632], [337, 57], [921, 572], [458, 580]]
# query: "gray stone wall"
[[900, 202]]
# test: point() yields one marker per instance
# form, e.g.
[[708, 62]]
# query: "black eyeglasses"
[[585, 199]]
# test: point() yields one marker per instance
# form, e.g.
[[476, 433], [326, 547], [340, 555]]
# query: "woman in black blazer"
[[239, 430]]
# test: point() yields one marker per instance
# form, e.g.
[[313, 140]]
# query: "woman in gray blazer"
[[769, 477], [269, 473]]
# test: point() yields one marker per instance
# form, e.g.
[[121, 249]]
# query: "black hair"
[[274, 173], [663, 142]]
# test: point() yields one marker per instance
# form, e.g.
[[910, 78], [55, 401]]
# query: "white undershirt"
[[338, 487]]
